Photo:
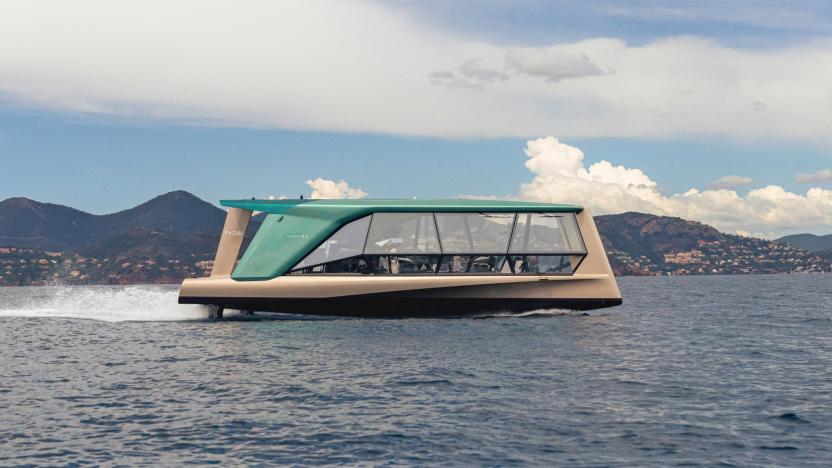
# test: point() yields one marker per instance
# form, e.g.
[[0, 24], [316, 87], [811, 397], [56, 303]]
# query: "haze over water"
[[718, 369]]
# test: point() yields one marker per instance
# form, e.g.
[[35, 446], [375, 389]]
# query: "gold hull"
[[405, 296]]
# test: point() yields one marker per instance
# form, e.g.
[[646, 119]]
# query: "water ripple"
[[688, 371]]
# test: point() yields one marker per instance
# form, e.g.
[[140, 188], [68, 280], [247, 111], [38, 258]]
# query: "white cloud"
[[441, 75], [730, 182], [325, 188], [360, 66], [759, 235], [473, 69], [450, 80], [551, 64], [819, 177], [560, 175]]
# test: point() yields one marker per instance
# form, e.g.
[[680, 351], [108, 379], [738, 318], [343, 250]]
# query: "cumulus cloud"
[[819, 177], [287, 64], [552, 64], [560, 175], [325, 188], [731, 181]]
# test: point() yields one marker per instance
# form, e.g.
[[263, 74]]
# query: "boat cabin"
[[411, 237]]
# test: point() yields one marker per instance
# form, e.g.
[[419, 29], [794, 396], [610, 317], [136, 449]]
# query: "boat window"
[[471, 243], [346, 242], [455, 264], [474, 232], [489, 264], [515, 263], [546, 233], [402, 233], [403, 264], [474, 264], [346, 265], [537, 264]]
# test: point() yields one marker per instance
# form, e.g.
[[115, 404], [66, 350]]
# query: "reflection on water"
[[711, 370]]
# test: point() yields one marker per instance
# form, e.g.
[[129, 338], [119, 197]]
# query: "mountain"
[[142, 242], [174, 236], [808, 242], [27, 223], [31, 224], [178, 211], [643, 244], [652, 236]]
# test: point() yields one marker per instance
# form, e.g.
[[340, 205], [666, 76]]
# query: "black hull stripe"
[[387, 305]]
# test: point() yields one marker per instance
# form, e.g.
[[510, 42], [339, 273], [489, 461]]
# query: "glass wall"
[[411, 233], [554, 264], [546, 233], [450, 243], [474, 232], [403, 264], [346, 242]]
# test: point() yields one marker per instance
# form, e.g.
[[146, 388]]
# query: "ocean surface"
[[731, 370]]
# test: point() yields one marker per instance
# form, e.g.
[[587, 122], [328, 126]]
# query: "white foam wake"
[[532, 313], [111, 304]]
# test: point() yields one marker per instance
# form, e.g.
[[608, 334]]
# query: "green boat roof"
[[407, 205], [293, 228]]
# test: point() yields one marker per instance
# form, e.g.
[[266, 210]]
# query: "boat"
[[405, 258]]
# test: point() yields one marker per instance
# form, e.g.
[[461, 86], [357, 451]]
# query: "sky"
[[712, 112]]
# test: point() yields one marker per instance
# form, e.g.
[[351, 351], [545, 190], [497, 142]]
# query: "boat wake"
[[531, 314], [105, 303], [148, 304]]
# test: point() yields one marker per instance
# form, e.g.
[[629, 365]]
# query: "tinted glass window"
[[474, 232], [346, 242], [517, 263], [411, 233], [546, 232], [347, 265], [489, 264], [403, 264], [379, 263], [546, 264], [455, 264]]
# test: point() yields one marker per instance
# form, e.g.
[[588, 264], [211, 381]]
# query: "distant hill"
[[808, 242], [641, 234], [45, 226], [643, 244], [27, 223], [178, 211], [175, 235], [141, 242]]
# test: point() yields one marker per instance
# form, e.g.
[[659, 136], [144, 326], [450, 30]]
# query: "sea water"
[[733, 370]]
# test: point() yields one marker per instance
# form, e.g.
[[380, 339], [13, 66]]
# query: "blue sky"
[[104, 165], [426, 99], [757, 23]]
